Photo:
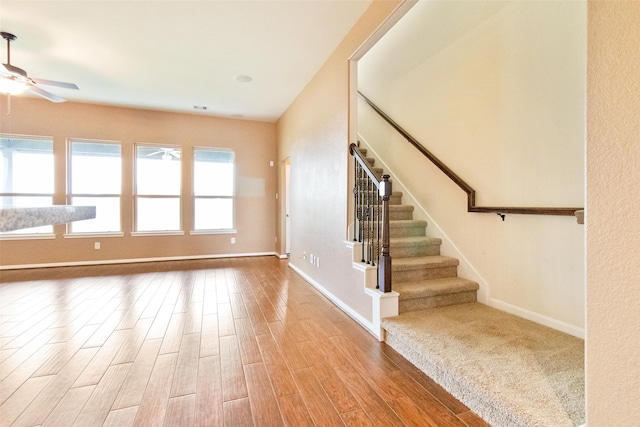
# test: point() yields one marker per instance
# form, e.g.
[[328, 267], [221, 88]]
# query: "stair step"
[[432, 293], [508, 370], [407, 228], [414, 246], [412, 269], [398, 212]]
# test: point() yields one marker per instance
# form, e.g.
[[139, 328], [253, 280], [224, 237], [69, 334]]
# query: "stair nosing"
[[455, 285]]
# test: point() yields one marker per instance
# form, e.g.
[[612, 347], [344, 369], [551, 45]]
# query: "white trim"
[[157, 233], [93, 235], [538, 318], [337, 301], [32, 236], [135, 260], [220, 231]]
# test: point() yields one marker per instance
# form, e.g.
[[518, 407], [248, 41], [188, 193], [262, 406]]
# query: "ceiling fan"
[[167, 153], [14, 80]]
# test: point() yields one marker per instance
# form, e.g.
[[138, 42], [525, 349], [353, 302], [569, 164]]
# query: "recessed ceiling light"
[[242, 78]]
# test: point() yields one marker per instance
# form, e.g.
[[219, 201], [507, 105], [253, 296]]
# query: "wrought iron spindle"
[[356, 168], [371, 211], [362, 208]]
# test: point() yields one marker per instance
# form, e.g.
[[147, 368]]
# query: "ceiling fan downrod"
[[9, 38]]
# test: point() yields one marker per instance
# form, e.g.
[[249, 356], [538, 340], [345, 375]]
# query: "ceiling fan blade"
[[54, 83], [15, 70], [47, 95]]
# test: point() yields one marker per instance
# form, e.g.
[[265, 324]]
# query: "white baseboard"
[[134, 260], [538, 318], [337, 301]]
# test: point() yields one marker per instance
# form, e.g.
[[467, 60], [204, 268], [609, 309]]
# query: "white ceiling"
[[174, 55]]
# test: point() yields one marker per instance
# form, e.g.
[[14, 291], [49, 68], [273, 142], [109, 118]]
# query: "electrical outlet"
[[318, 261], [233, 240], [312, 259], [96, 245]]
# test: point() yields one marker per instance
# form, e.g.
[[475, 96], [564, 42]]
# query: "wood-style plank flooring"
[[225, 342]]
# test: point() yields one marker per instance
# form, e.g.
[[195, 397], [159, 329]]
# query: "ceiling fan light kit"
[[14, 80]]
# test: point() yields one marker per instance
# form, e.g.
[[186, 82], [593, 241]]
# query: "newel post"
[[384, 259]]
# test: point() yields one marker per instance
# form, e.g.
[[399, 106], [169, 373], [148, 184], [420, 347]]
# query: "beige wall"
[[501, 102], [253, 143], [613, 214], [313, 135]]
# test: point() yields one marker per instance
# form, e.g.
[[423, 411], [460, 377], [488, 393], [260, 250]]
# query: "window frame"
[[137, 196], [232, 197], [69, 196], [21, 234]]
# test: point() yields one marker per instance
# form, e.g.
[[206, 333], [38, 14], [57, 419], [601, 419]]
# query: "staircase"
[[510, 371], [423, 278]]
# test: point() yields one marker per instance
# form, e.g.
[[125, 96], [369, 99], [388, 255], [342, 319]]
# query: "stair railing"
[[471, 193], [372, 192]]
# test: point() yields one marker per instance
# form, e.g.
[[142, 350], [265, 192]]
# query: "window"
[[95, 170], [157, 191], [213, 189], [26, 175]]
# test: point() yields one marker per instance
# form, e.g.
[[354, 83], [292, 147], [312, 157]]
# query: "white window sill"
[[33, 236], [96, 234], [157, 233], [225, 231]]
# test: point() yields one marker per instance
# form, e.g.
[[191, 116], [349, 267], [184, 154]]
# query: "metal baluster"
[[368, 224], [355, 198], [374, 214], [378, 223], [362, 208]]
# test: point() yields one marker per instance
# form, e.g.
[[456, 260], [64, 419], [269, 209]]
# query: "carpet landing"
[[508, 370]]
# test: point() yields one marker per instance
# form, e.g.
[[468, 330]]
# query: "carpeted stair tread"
[[434, 287], [508, 370], [407, 208], [419, 263]]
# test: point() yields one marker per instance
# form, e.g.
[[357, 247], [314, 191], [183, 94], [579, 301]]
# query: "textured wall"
[[254, 145], [313, 135], [613, 214], [496, 90]]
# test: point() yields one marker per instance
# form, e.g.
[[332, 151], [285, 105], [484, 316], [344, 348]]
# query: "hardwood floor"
[[225, 342]]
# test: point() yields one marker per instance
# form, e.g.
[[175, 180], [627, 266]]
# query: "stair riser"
[[424, 274], [414, 251], [402, 232], [436, 301], [400, 215], [408, 231]]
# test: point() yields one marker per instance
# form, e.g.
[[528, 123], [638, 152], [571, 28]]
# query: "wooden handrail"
[[374, 175], [471, 193]]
